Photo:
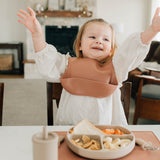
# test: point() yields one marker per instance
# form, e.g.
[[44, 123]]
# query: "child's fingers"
[[31, 11], [157, 12], [21, 16], [24, 12], [21, 21]]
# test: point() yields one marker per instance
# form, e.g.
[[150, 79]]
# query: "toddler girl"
[[90, 81]]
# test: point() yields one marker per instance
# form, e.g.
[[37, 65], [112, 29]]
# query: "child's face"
[[96, 41]]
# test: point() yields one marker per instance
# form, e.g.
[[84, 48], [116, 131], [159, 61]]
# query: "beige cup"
[[45, 148]]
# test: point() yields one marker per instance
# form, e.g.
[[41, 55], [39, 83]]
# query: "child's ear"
[[111, 52]]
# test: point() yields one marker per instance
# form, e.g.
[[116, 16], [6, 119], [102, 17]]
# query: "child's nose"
[[98, 41]]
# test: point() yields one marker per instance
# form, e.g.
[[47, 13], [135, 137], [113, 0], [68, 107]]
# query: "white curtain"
[[154, 5]]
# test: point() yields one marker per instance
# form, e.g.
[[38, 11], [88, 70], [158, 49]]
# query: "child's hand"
[[29, 20], [152, 30], [156, 21]]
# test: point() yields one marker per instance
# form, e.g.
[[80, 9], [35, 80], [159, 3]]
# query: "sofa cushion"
[[151, 91]]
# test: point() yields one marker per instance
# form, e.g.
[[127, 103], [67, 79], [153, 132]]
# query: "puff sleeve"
[[129, 56], [50, 63]]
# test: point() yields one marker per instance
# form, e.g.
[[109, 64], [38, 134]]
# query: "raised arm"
[[152, 30], [32, 24]]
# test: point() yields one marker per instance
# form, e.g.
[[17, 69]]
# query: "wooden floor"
[[11, 76]]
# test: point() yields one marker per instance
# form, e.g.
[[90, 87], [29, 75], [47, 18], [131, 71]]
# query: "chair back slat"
[[1, 101], [126, 97]]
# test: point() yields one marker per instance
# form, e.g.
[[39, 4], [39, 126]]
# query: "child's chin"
[[98, 59]]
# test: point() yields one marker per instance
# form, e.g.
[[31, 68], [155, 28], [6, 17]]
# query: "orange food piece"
[[108, 131], [113, 131], [118, 132]]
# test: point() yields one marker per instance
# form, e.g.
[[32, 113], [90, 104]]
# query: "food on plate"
[[85, 139], [113, 131], [115, 144], [87, 143], [85, 127], [100, 141]]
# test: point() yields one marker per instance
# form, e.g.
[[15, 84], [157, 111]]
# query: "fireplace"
[[62, 38]]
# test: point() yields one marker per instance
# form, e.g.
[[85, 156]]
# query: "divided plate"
[[103, 153]]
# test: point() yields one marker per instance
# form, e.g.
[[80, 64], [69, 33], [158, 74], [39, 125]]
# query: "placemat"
[[64, 153]]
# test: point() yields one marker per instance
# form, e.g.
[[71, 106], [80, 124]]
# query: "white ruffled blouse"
[[104, 111]]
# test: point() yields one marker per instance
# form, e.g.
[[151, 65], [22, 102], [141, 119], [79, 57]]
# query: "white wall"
[[10, 29], [133, 14]]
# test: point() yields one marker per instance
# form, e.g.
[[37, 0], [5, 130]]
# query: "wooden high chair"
[[54, 91]]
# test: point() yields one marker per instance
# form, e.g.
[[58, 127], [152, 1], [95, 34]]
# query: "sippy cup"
[[45, 145]]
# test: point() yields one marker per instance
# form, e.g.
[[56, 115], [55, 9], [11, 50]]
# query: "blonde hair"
[[77, 42]]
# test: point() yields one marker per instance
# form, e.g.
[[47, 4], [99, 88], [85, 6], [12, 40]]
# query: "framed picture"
[[70, 4], [53, 5]]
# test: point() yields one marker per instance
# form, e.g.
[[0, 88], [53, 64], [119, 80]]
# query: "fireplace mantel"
[[65, 14]]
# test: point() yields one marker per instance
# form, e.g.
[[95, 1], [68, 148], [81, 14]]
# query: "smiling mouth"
[[96, 48]]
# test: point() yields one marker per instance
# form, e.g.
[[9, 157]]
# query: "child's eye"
[[105, 39], [93, 37]]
